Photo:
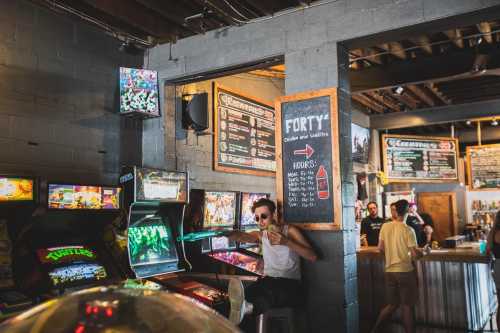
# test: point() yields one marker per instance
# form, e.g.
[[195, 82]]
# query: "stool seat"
[[280, 320]]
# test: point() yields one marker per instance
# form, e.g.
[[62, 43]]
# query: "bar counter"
[[456, 289]]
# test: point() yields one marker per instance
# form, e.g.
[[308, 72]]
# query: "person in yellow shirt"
[[399, 244]]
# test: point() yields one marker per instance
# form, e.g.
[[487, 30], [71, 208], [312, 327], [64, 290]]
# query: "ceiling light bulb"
[[399, 90], [494, 122], [468, 122]]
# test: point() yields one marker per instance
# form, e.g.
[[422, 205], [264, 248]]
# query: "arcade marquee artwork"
[[16, 189]]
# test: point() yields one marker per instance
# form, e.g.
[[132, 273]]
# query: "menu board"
[[244, 134], [309, 158], [484, 167], [420, 159]]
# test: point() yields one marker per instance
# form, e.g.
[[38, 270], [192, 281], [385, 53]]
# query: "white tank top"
[[280, 260]]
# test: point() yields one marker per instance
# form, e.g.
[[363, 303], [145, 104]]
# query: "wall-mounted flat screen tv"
[[14, 189], [139, 91], [66, 254], [160, 185], [77, 274], [219, 209], [247, 218], [150, 242], [360, 143], [63, 196]]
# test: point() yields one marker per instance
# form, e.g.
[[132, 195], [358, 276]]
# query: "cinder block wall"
[[58, 84], [195, 153]]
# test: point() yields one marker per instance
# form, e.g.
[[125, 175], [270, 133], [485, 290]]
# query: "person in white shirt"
[[282, 247]]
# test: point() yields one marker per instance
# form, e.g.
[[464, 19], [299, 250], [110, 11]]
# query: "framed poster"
[[244, 133], [360, 137], [420, 159], [483, 167], [308, 171]]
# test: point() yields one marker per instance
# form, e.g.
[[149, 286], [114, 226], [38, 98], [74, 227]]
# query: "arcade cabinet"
[[219, 210], [61, 249], [156, 201], [247, 221], [18, 196]]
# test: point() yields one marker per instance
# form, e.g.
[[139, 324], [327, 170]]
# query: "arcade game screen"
[[76, 274], [240, 260], [161, 185], [222, 244], [219, 210], [247, 199], [66, 254], [16, 189], [83, 197], [150, 242]]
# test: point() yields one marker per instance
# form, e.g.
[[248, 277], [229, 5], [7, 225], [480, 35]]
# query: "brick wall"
[[58, 84]]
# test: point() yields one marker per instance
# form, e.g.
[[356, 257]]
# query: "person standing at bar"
[[370, 225], [399, 245], [494, 249]]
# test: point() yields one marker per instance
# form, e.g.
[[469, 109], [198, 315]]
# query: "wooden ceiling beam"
[[383, 100], [455, 36], [407, 100], [422, 94], [138, 16], [369, 55], [485, 29], [171, 13], [110, 20], [438, 94], [395, 48], [365, 101], [436, 68], [424, 43]]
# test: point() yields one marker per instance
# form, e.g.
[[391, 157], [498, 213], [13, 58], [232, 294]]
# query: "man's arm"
[[381, 245], [245, 237], [295, 241]]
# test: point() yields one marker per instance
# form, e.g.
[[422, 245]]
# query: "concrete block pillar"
[[331, 282]]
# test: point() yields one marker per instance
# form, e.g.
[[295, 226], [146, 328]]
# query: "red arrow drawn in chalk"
[[308, 151]]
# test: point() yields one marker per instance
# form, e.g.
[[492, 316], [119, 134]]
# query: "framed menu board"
[[483, 167], [420, 159], [307, 174], [244, 133]]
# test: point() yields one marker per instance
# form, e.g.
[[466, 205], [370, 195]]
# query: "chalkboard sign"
[[244, 134], [420, 159], [308, 172], [484, 167]]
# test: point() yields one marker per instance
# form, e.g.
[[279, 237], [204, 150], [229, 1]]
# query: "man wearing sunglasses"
[[282, 247]]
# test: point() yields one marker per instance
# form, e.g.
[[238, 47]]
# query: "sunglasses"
[[262, 216]]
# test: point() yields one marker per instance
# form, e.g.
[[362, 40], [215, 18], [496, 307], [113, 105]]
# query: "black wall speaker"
[[195, 112]]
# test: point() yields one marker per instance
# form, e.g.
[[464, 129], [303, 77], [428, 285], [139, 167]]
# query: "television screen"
[[219, 209], [151, 242], [66, 254], [247, 199], [16, 189], [77, 273], [161, 185], [139, 91], [222, 243], [83, 197], [360, 143]]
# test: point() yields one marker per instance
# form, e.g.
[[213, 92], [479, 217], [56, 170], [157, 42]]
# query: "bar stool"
[[280, 320]]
